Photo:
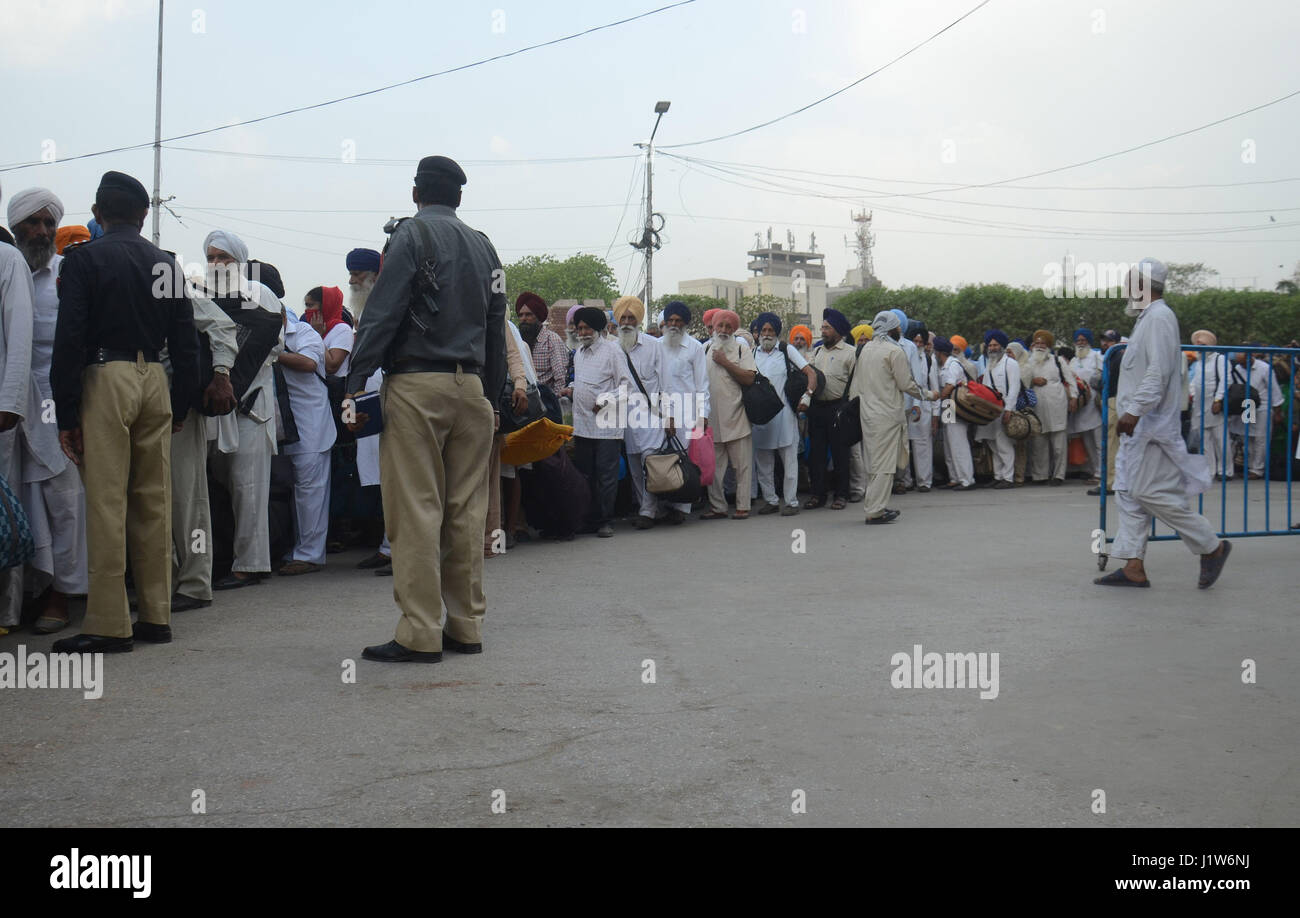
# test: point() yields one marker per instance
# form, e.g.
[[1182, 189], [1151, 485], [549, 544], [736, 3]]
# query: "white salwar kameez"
[[779, 436], [684, 385], [1155, 476], [644, 431], [52, 491], [16, 295], [1004, 378], [240, 456], [1085, 423]]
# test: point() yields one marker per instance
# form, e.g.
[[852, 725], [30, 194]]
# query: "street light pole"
[[648, 235]]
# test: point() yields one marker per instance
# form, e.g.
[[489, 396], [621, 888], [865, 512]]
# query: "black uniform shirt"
[[123, 293]]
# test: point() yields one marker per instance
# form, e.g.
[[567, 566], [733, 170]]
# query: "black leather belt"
[[416, 365], [106, 355]]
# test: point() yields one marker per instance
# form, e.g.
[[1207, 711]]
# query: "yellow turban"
[[862, 332], [626, 304]]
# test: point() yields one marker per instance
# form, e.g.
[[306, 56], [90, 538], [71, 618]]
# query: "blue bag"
[[16, 543]]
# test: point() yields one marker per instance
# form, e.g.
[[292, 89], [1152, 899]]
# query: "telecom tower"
[[864, 240]]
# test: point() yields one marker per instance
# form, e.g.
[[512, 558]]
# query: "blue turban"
[[970, 352], [763, 319], [998, 335], [914, 327], [363, 260], [1087, 333], [942, 345], [836, 320], [902, 317], [95, 229], [678, 308]]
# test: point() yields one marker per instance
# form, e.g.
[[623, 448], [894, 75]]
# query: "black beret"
[[120, 181], [441, 167]]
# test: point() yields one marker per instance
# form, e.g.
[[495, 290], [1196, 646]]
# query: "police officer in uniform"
[[116, 417], [435, 322]]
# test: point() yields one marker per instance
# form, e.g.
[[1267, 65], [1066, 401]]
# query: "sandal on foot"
[[1119, 578]]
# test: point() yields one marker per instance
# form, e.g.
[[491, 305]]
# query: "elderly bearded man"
[[1055, 384], [51, 488], [1002, 375], [244, 440], [684, 378], [731, 366], [601, 379], [644, 430], [1086, 420], [1206, 388], [835, 360], [882, 378], [780, 436], [1155, 476]]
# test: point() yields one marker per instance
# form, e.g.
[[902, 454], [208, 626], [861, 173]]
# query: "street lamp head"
[[661, 107]]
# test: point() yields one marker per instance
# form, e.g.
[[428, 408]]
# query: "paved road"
[[772, 674]]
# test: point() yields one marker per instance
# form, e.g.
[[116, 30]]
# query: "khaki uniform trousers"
[[434, 455], [126, 426]]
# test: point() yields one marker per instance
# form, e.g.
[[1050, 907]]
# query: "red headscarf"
[[331, 307]]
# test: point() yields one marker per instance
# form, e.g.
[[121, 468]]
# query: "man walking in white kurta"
[[882, 376], [1155, 476]]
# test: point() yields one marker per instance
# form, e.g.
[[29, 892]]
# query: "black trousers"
[[597, 460], [820, 415]]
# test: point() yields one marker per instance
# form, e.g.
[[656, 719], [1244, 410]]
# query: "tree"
[[578, 277], [1289, 287], [1188, 278]]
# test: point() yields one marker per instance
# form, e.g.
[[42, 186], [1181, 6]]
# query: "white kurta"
[[1154, 473], [1088, 415], [1264, 381], [368, 447], [16, 294], [599, 373], [226, 428], [52, 491], [684, 382], [926, 375], [782, 430], [644, 429], [1004, 378], [1053, 408]]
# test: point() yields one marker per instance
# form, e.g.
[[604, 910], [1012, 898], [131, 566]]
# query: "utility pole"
[[157, 135], [650, 233]]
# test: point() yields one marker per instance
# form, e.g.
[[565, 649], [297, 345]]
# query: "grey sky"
[[1017, 88]]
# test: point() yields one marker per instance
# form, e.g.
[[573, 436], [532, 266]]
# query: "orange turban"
[[802, 330], [1046, 336], [707, 318], [959, 344], [65, 236]]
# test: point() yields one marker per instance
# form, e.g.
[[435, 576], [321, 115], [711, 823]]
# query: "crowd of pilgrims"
[[289, 481]]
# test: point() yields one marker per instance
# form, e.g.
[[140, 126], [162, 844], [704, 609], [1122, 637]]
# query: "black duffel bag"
[[796, 381], [510, 422], [761, 400]]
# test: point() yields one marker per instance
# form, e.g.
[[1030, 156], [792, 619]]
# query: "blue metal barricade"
[[1255, 415]]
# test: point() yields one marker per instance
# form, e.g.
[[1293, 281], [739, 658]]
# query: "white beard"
[[673, 336], [357, 296], [1036, 361], [628, 341]]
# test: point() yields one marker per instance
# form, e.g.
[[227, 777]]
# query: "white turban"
[[226, 242], [884, 323], [25, 203]]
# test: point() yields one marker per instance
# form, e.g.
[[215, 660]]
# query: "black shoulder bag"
[[846, 425], [796, 381]]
